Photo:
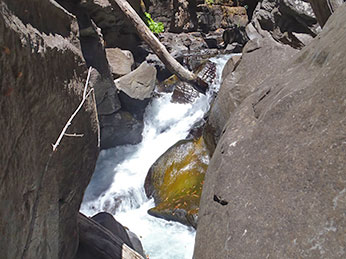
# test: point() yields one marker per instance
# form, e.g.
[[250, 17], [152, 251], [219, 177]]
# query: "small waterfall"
[[117, 185]]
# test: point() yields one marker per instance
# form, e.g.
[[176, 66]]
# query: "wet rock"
[[42, 77], [120, 128], [136, 243], [124, 234], [107, 220], [184, 92], [120, 61], [175, 181], [96, 241], [280, 163]]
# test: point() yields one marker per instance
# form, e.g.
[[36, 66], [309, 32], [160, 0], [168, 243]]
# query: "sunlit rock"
[[140, 83], [120, 61]]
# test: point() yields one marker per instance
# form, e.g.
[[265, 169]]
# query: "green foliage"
[[155, 27], [209, 2]]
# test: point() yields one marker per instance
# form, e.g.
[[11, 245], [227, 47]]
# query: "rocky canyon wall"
[[42, 77], [275, 186]]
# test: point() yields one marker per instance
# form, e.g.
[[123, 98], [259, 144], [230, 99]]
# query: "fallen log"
[[159, 49]]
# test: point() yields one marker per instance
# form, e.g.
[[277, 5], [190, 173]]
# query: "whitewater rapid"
[[117, 185]]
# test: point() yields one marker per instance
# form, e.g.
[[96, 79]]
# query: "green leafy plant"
[[155, 27], [209, 2]]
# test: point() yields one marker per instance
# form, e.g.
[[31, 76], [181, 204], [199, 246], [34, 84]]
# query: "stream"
[[117, 185]]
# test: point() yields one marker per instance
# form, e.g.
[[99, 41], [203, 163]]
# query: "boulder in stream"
[[175, 181], [184, 92]]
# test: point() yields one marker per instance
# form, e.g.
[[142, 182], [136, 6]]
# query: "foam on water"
[[117, 185]]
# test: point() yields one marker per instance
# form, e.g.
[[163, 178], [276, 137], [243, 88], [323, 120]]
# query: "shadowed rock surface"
[[290, 22], [278, 172], [100, 26], [324, 8], [96, 241], [42, 76]]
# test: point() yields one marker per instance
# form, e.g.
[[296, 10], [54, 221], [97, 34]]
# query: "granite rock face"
[[259, 58], [275, 186], [42, 77]]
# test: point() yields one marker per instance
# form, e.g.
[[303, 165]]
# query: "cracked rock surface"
[[280, 162]]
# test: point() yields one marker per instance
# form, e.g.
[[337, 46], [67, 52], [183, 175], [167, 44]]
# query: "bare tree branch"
[[68, 123], [74, 135]]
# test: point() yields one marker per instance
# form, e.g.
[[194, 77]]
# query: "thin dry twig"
[[74, 135], [68, 123]]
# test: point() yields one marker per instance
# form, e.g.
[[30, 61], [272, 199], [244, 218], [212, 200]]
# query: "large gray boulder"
[[240, 79], [42, 77], [275, 186]]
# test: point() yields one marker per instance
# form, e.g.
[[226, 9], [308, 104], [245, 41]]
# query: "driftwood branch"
[[159, 49], [68, 123]]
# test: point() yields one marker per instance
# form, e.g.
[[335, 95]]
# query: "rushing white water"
[[117, 184]]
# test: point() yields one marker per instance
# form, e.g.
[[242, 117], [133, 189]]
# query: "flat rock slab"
[[120, 61], [140, 83]]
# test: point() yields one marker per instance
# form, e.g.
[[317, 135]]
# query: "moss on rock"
[[175, 181]]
